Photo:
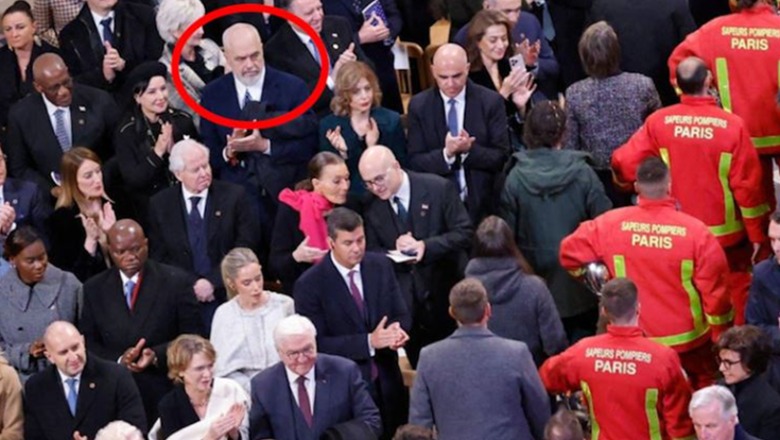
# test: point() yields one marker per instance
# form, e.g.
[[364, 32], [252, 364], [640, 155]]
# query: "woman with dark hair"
[[300, 232], [146, 134], [522, 307], [605, 109], [16, 59], [358, 122], [743, 357], [82, 216], [488, 45], [33, 294], [548, 192], [201, 406]]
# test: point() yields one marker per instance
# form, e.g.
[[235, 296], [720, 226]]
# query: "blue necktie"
[[314, 52], [247, 98], [547, 24], [196, 232], [107, 34], [73, 394], [452, 118], [60, 131], [402, 213], [129, 287]]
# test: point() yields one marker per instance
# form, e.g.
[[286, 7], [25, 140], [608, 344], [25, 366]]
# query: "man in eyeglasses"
[[307, 393], [421, 217]]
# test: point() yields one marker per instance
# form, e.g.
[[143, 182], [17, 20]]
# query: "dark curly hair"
[[545, 125]]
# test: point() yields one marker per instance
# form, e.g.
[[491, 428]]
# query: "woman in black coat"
[[17, 58], [146, 134]]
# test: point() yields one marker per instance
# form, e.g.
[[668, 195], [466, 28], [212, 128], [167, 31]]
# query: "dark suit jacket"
[[136, 36], [340, 396], [165, 308], [31, 207], [484, 119], [106, 393], [437, 217], [759, 406], [286, 52], [229, 224], [322, 296], [66, 250], [33, 151]]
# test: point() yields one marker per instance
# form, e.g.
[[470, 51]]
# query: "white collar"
[[64, 377], [404, 191], [50, 107], [256, 90], [203, 194], [343, 270], [303, 36], [292, 376], [98, 18], [125, 279], [460, 98]]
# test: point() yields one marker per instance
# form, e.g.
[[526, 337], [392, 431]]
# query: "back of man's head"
[[563, 425], [692, 76], [714, 398], [652, 179], [342, 219], [619, 300], [469, 302], [119, 430]]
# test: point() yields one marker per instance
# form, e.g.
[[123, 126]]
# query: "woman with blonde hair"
[[200, 405], [242, 330], [358, 122], [83, 215]]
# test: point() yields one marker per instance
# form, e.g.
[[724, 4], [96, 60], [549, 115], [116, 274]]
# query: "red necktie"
[[303, 400], [353, 289]]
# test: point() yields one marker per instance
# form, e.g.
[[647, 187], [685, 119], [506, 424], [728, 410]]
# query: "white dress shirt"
[[292, 378], [344, 272], [255, 90], [460, 110], [201, 204], [50, 109], [64, 384], [404, 193], [98, 18], [305, 39]]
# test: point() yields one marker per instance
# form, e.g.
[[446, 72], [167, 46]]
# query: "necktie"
[[196, 232], [402, 213], [303, 400], [247, 98], [452, 118], [355, 292], [129, 287], [547, 24], [60, 131], [73, 394], [314, 52], [107, 34]]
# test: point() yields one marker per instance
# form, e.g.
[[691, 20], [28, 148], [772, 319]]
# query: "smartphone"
[[517, 62]]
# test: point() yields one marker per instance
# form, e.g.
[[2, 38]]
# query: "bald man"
[[457, 129], [77, 394], [133, 310], [420, 215], [266, 161], [698, 134], [59, 116]]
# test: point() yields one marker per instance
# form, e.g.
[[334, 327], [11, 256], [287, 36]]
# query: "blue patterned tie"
[[60, 131], [403, 215], [314, 52], [107, 34], [129, 287], [452, 118], [196, 232], [247, 98], [73, 394]]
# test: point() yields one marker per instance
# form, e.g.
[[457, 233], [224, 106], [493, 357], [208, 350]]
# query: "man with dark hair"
[[763, 305], [677, 264], [698, 134], [620, 370], [355, 302], [500, 397]]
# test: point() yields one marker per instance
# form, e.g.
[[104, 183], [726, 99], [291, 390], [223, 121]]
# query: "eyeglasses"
[[307, 352], [379, 180], [728, 363]]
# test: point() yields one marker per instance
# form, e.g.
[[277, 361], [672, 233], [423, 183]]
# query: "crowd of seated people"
[[579, 211]]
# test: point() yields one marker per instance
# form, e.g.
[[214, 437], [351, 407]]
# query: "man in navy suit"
[[21, 203], [263, 161], [306, 393], [355, 302], [77, 395]]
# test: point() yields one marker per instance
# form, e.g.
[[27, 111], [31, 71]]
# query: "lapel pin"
[[15, 202], [81, 122], [218, 213], [424, 207], [92, 385], [82, 108], [335, 46], [186, 136], [334, 35]]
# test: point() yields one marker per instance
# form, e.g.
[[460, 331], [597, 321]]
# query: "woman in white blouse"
[[242, 329]]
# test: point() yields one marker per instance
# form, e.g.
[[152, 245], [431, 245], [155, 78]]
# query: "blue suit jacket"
[[281, 92], [27, 200], [340, 396]]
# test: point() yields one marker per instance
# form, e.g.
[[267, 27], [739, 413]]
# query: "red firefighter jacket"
[[635, 388], [743, 52], [678, 266], [716, 174]]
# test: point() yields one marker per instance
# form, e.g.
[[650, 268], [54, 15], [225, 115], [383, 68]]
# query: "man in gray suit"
[[475, 384]]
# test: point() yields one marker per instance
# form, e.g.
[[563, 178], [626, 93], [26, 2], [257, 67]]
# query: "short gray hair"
[[714, 394], [176, 159], [293, 325], [119, 430], [173, 15]]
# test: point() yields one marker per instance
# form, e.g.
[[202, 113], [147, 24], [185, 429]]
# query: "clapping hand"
[[337, 141]]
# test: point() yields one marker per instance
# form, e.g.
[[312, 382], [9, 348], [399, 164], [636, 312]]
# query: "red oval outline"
[[235, 123]]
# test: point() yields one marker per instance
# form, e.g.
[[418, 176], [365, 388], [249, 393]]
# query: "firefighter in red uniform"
[[635, 388], [743, 49], [716, 174], [675, 261]]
